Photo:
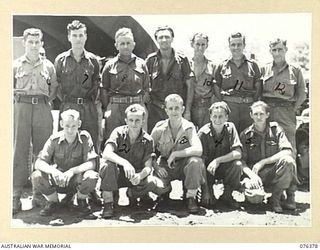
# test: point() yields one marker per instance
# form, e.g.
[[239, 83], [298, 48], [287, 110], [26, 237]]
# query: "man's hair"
[[237, 35], [174, 98], [136, 109], [276, 41], [262, 104], [123, 32], [32, 32], [201, 35], [220, 105], [76, 25], [166, 27], [70, 113]]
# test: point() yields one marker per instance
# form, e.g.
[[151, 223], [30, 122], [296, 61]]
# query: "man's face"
[[135, 121], [278, 53], [77, 38], [174, 109], [32, 45], [199, 45], [259, 115], [236, 47], [125, 45], [164, 39], [218, 118], [70, 127]]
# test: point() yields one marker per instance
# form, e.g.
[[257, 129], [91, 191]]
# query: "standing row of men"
[[127, 79]]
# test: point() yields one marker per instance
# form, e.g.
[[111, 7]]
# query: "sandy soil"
[[175, 214]]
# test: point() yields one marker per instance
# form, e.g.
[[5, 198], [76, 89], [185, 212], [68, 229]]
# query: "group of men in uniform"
[[159, 96]]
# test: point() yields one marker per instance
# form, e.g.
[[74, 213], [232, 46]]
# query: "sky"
[[259, 29]]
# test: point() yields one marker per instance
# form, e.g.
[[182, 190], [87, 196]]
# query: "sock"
[[107, 196], [191, 193], [81, 196]]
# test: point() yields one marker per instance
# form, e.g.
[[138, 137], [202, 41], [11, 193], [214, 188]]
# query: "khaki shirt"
[[137, 153], [33, 79], [163, 139], [258, 146], [58, 151], [286, 84], [121, 78], [78, 79], [205, 80], [238, 81]]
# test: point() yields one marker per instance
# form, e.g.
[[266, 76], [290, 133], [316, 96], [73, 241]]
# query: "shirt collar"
[[25, 59], [243, 59], [282, 68], [85, 54], [62, 137], [184, 124], [133, 58]]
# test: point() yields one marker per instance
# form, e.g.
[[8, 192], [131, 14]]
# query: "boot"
[[49, 208], [107, 210], [38, 199], [228, 199], [67, 201], [132, 201], [192, 205], [83, 207], [290, 203], [16, 205], [275, 201]]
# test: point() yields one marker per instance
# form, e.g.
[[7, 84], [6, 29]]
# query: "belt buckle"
[[80, 101], [246, 100], [131, 99], [34, 100]]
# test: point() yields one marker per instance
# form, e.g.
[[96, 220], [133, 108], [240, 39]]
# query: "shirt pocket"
[[138, 76], [117, 78], [22, 78], [165, 145], [271, 147], [76, 158], [86, 80]]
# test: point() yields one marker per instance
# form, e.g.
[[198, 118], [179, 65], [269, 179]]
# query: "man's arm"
[[190, 93], [217, 82], [257, 82], [300, 93], [105, 84]]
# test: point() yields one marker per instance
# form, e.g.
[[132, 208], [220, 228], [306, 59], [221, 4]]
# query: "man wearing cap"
[[127, 162], [66, 165], [239, 81], [169, 73], [283, 89], [78, 77], [35, 87], [221, 155], [124, 81], [179, 149], [268, 157]]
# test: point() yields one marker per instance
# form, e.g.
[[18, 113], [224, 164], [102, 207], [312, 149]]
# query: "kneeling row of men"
[[261, 157]]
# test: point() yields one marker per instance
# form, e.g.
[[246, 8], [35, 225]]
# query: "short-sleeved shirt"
[[215, 145], [137, 153], [120, 78], [285, 84], [78, 79], [163, 139], [174, 81], [33, 79], [238, 81], [205, 80], [58, 151], [258, 146]]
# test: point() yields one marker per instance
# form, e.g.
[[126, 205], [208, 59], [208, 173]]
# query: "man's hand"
[[58, 177], [67, 176], [129, 170], [136, 179], [171, 159], [161, 172], [255, 182], [257, 167], [213, 166], [187, 115]]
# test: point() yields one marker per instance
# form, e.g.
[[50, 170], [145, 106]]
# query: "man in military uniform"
[[221, 154], [124, 81], [66, 164], [283, 89], [179, 149], [169, 73], [128, 162], [79, 78], [203, 69], [239, 80], [268, 155], [35, 87]]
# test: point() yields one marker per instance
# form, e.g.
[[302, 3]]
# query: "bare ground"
[[175, 214]]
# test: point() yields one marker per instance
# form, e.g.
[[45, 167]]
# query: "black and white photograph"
[[161, 120]]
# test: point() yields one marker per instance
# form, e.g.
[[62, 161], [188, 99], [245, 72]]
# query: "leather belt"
[[236, 99], [31, 99], [201, 101], [77, 100], [273, 102], [126, 99]]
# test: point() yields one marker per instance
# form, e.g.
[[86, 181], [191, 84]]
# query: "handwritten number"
[[124, 147], [236, 85], [86, 77], [281, 88]]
